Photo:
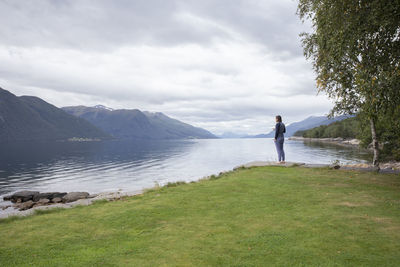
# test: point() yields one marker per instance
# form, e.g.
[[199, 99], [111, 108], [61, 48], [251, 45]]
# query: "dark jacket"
[[280, 129]]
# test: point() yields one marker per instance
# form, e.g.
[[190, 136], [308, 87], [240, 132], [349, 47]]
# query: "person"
[[279, 139]]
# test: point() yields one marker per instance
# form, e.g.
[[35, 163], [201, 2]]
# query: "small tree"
[[355, 49]]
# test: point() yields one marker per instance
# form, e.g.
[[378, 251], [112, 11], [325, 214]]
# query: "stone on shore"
[[269, 163], [43, 201], [22, 196], [56, 200], [25, 205], [334, 166], [49, 195], [74, 196]]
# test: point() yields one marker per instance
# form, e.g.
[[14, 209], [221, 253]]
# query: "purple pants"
[[279, 148]]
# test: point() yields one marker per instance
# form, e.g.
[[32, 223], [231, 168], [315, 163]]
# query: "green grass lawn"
[[251, 217]]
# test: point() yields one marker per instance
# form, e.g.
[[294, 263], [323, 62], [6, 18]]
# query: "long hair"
[[279, 118]]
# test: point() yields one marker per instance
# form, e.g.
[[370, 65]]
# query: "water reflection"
[[133, 165], [333, 152], [81, 165]]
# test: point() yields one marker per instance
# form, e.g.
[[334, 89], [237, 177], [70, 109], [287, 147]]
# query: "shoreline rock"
[[388, 167], [21, 196], [74, 196], [49, 195], [109, 196], [24, 200]]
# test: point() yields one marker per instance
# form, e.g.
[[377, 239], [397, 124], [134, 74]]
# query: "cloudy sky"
[[225, 65]]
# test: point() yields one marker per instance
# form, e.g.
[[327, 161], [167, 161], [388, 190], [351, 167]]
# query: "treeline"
[[387, 130], [348, 128]]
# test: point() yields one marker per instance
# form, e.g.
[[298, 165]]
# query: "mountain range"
[[231, 135], [308, 123], [31, 118], [133, 123], [28, 118]]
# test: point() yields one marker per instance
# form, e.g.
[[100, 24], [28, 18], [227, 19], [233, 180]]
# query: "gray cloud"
[[223, 65], [105, 24], [97, 24]]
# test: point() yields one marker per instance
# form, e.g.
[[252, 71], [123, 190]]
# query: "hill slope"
[[348, 128], [124, 123], [31, 118]]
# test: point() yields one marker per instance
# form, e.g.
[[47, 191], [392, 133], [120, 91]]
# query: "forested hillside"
[[348, 128], [388, 130]]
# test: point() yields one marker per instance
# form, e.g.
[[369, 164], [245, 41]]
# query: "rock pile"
[[24, 200]]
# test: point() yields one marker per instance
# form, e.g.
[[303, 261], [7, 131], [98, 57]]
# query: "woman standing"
[[280, 129]]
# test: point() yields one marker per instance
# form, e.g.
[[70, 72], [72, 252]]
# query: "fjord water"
[[134, 165]]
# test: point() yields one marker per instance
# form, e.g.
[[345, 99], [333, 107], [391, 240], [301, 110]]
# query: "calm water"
[[133, 165]]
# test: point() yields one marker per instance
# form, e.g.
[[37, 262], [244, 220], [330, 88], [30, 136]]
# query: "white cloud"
[[205, 68]]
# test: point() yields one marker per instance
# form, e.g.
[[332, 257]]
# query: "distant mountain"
[[230, 135], [310, 122], [259, 136], [31, 118], [133, 123]]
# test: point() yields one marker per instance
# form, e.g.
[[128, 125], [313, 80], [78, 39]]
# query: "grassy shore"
[[262, 216]]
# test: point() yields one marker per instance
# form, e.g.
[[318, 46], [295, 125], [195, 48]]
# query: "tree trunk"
[[375, 145]]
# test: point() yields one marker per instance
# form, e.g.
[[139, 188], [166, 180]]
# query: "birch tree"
[[355, 50]]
